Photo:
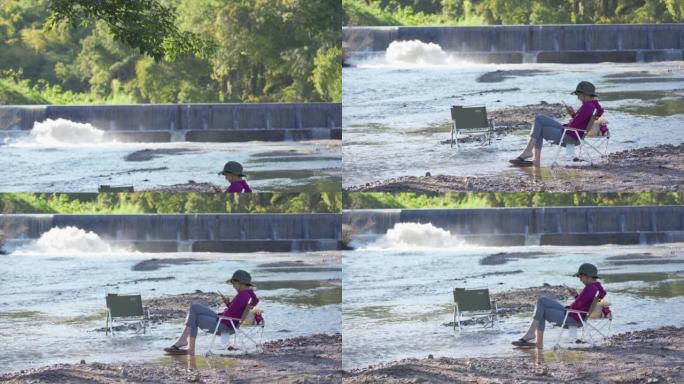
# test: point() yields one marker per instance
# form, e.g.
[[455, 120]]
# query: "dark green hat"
[[232, 167], [587, 270], [242, 277], [586, 88]]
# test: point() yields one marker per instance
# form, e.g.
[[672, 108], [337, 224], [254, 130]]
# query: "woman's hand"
[[226, 300], [570, 110], [216, 189], [573, 292]]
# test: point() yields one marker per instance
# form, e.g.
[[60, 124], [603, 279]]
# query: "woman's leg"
[[546, 309], [544, 128], [191, 323]]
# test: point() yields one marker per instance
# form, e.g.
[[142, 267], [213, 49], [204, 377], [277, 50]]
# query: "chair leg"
[[213, 338], [560, 334], [453, 129], [555, 159], [458, 315]]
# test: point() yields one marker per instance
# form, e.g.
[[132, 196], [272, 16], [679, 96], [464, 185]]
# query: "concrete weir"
[[531, 43], [191, 232], [190, 122], [535, 226]]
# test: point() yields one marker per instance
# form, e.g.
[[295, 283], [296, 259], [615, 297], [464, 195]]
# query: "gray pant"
[[547, 128], [201, 316], [550, 310]]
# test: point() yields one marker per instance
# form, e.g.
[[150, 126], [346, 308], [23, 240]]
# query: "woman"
[[546, 128], [550, 310], [201, 316]]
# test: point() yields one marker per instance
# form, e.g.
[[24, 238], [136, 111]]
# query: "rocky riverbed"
[[653, 169], [310, 359], [648, 356]]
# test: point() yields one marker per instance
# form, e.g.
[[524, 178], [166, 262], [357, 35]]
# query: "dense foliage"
[[157, 202], [169, 51], [378, 200], [470, 12]]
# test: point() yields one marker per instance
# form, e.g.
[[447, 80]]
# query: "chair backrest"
[[472, 299], [595, 310], [469, 117], [592, 129], [124, 305]]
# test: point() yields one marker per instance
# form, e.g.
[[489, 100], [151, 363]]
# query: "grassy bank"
[[383, 200], [160, 202]]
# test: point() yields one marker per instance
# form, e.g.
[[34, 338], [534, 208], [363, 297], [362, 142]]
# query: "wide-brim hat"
[[232, 167], [242, 277], [587, 269], [586, 88]]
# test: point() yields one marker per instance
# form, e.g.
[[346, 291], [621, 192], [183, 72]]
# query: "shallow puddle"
[[198, 362], [662, 290], [639, 276], [300, 269], [293, 284], [661, 107], [317, 298]]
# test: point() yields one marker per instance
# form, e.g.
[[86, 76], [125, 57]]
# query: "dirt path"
[[656, 169], [649, 356], [311, 359]]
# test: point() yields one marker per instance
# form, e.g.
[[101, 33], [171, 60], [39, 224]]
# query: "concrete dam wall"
[[193, 232], [542, 226], [532, 43], [190, 122]]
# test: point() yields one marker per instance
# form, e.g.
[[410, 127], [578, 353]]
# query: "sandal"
[[522, 343], [173, 350], [520, 162]]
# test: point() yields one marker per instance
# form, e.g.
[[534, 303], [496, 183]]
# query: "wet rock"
[[149, 154], [155, 264]]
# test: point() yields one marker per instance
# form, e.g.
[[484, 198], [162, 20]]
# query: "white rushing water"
[[415, 236], [61, 132], [416, 52], [67, 240]]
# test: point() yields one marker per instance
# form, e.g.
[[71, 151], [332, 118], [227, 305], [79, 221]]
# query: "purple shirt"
[[239, 186], [237, 306], [585, 298], [581, 118]]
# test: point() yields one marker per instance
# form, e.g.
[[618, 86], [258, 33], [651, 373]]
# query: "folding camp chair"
[[477, 302], [247, 332], [471, 121], [594, 139], [594, 323], [126, 309]]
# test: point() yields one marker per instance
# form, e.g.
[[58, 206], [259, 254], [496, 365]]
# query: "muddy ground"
[[310, 359], [655, 169], [649, 356]]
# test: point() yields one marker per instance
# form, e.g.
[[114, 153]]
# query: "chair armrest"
[[574, 129], [575, 311], [228, 318]]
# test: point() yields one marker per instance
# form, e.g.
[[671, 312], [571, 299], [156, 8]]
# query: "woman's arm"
[[599, 109], [585, 298]]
